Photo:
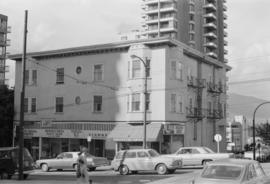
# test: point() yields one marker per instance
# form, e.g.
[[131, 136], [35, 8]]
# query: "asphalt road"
[[104, 176], [107, 176]]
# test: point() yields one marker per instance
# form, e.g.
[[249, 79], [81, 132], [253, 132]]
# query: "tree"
[[6, 115], [263, 131]]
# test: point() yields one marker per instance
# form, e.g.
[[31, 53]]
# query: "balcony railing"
[[194, 112], [214, 114], [215, 88], [195, 82]]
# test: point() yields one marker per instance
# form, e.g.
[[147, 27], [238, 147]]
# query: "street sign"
[[218, 137]]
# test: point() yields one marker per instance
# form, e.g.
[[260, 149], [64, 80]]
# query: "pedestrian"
[[82, 173]]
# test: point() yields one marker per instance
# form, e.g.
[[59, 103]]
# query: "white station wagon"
[[127, 161]]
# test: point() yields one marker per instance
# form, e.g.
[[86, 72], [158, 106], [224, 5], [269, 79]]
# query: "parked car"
[[198, 156], [127, 161], [260, 156], [232, 171], [9, 162], [68, 160]]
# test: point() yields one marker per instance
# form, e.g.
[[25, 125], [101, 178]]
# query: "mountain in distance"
[[245, 105]]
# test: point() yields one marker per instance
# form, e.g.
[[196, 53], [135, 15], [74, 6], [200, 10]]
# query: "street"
[[102, 175], [107, 176]]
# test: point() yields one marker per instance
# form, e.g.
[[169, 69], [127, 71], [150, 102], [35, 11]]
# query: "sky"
[[55, 24]]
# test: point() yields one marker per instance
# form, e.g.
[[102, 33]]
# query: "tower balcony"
[[151, 10], [225, 51], [225, 16], [225, 42], [225, 25], [210, 26], [212, 54], [210, 16], [166, 18], [210, 45], [168, 29], [210, 7], [225, 60], [194, 112], [225, 34], [224, 7], [211, 35], [150, 2], [168, 8]]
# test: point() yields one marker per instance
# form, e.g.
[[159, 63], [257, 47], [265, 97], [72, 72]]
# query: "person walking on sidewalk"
[[82, 173]]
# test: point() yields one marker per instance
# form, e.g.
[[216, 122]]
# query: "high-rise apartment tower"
[[4, 42], [197, 23]]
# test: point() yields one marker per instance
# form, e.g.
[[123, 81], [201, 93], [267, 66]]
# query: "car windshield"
[[153, 153], [228, 172]]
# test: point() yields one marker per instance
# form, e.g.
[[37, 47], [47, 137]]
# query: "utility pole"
[[145, 64], [21, 129]]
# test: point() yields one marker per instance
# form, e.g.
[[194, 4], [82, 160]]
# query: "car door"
[[67, 161], [186, 155], [144, 161], [197, 156], [130, 159], [56, 162]]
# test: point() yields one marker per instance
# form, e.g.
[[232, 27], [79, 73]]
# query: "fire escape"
[[196, 113], [215, 90]]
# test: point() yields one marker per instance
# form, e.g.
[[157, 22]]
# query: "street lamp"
[[145, 94], [254, 144]]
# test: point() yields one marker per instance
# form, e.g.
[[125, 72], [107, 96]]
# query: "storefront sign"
[[64, 133]]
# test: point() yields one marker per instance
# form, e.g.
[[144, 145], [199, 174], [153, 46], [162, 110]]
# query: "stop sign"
[[218, 137]]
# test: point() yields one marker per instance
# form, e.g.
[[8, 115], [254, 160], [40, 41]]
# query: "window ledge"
[[59, 113]]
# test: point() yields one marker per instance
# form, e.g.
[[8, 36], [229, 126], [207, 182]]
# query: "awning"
[[124, 132]]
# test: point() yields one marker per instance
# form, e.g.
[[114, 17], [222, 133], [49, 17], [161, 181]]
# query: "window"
[[173, 69], [180, 104], [33, 105], [173, 102], [190, 103], [135, 106], [25, 103], [97, 103], [26, 77], [142, 154], [136, 69], [209, 108], [59, 104], [34, 77], [130, 154], [60, 76], [147, 101], [147, 67], [179, 73], [98, 72]]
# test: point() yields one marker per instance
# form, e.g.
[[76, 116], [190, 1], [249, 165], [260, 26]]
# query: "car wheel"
[[161, 169], [204, 162], [171, 171], [123, 170], [25, 176], [75, 167], [44, 167]]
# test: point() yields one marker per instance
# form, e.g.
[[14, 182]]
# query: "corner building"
[[98, 91]]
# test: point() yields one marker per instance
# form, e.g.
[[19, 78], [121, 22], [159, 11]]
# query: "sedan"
[[68, 160], [232, 171], [132, 161], [198, 156]]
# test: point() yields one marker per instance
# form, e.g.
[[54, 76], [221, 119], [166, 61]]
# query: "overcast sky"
[[54, 24]]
